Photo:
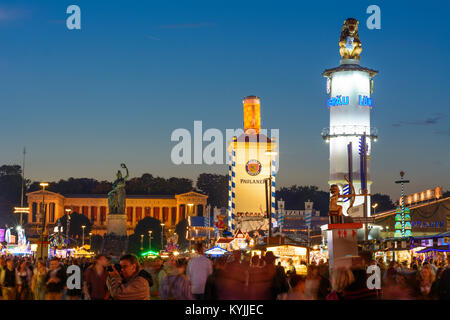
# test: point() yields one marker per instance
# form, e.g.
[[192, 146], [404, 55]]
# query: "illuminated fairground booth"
[[252, 172], [286, 254]]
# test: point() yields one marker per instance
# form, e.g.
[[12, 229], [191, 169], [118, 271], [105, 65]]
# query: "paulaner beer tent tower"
[[349, 87], [252, 166]]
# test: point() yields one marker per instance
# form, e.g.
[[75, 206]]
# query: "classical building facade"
[[169, 209]]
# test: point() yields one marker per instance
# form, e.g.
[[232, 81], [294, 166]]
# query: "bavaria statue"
[[116, 197]]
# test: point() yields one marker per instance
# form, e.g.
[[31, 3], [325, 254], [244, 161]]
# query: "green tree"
[[10, 192], [76, 230], [96, 243], [215, 186], [181, 229], [384, 202], [143, 227]]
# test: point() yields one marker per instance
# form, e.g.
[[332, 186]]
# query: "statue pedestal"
[[117, 224], [342, 241], [115, 241]]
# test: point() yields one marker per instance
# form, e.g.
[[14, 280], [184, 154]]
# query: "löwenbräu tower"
[[349, 89]]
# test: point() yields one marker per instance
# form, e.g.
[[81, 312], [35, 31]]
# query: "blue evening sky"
[[83, 101]]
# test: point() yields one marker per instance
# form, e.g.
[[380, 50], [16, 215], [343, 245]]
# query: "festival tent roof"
[[445, 248], [224, 240], [439, 235], [216, 251]]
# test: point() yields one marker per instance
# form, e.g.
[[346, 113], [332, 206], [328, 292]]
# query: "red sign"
[[42, 242]]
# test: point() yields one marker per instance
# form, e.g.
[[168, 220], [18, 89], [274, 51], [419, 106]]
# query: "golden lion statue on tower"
[[349, 43]]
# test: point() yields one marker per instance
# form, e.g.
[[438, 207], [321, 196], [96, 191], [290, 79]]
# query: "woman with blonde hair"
[[426, 278], [341, 279]]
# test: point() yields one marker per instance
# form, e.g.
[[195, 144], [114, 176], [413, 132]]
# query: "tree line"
[[215, 186]]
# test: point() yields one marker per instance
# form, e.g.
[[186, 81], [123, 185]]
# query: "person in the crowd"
[[231, 284], [341, 279], [23, 281], [176, 286], [55, 280], [38, 282], [129, 284], [259, 284], [155, 268], [443, 287], [2, 268], [427, 287], [317, 286], [8, 281], [95, 276], [168, 268], [358, 289], [291, 269], [297, 291], [211, 290], [279, 279], [389, 274], [198, 270]]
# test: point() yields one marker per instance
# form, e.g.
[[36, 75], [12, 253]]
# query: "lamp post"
[[23, 184], [68, 211], [149, 239], [43, 214], [162, 236], [90, 240], [142, 242], [82, 227], [373, 207]]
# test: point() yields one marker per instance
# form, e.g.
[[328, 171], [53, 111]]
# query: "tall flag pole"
[[23, 183], [363, 175]]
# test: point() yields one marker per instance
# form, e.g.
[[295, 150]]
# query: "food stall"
[[285, 253], [82, 252]]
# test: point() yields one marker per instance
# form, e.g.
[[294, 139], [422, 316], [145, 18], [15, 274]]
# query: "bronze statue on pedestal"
[[117, 196]]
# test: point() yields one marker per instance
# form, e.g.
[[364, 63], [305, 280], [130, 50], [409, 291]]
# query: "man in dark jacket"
[[131, 283]]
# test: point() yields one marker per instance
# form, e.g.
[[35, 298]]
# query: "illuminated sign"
[[253, 167], [426, 195], [365, 101], [431, 224], [251, 181], [338, 101]]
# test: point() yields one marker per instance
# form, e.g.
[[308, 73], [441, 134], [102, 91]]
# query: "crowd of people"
[[238, 276]]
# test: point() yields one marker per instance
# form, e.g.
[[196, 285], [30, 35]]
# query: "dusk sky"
[[84, 101]]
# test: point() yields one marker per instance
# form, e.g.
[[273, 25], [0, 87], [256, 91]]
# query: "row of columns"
[[50, 210], [97, 214]]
